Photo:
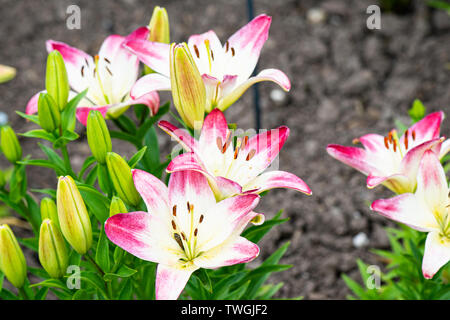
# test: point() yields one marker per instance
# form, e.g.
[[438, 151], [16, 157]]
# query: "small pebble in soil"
[[360, 240], [316, 15], [278, 96], [3, 118]]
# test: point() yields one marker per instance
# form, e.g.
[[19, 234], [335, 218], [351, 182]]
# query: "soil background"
[[347, 81]]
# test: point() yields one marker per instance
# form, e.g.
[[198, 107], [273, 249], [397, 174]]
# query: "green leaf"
[[53, 157], [221, 288], [123, 272], [268, 291], [151, 157], [354, 286], [125, 124], [204, 278], [137, 157], [95, 281], [81, 294], [68, 119], [5, 294], [40, 163], [417, 111], [87, 163], [126, 290], [41, 294], [97, 203], [64, 139], [40, 134], [151, 121], [50, 192], [103, 179], [32, 243], [30, 117], [102, 253], [256, 233], [51, 283]]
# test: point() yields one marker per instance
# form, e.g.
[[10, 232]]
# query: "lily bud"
[[10, 145], [52, 249], [117, 206], [48, 112], [56, 81], [159, 26], [73, 216], [6, 73], [188, 89], [12, 260], [98, 136], [122, 179], [49, 210]]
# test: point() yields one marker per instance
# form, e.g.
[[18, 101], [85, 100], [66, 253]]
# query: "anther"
[[232, 51], [250, 154], [184, 236], [390, 137], [177, 238], [219, 143], [109, 71], [236, 153], [227, 46], [174, 210], [212, 55], [244, 142], [413, 133], [174, 226], [201, 219], [395, 146], [386, 142], [106, 59], [406, 140], [197, 53], [85, 60], [195, 232], [82, 71], [188, 206]]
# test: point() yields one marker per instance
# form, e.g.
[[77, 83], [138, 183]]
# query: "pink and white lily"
[[427, 210], [184, 229], [226, 69], [394, 161], [109, 77], [232, 169]]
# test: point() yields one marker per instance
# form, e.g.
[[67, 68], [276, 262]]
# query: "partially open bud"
[[48, 112], [73, 215], [12, 260], [117, 206], [159, 26], [6, 73], [10, 145], [56, 81], [49, 211], [188, 89], [122, 179], [52, 249], [98, 136]]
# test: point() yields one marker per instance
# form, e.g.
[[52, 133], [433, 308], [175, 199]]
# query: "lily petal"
[[82, 113], [180, 135], [436, 255], [151, 100], [170, 281], [445, 148], [426, 129], [351, 156], [408, 209], [397, 183], [247, 43], [273, 75], [200, 51], [32, 105], [150, 82], [144, 235], [277, 179], [238, 250], [154, 192], [153, 54]]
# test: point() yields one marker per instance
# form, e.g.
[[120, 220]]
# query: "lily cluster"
[[194, 222], [410, 166]]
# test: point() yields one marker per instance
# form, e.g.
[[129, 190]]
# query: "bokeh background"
[[347, 81]]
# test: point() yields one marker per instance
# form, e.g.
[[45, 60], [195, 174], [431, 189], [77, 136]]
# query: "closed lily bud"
[[56, 81], [73, 216], [12, 260], [188, 89], [53, 253], [117, 206], [49, 210], [10, 145], [122, 179], [98, 136], [48, 112], [159, 26], [6, 73]]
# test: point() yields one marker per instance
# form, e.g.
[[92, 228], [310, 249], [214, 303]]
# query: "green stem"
[[23, 294], [67, 164]]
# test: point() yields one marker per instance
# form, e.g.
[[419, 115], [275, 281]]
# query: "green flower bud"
[[98, 136], [52, 249], [12, 260], [117, 206], [49, 210], [2, 179], [56, 81], [10, 145], [48, 112], [6, 73], [159, 26], [121, 177], [73, 215], [188, 89]]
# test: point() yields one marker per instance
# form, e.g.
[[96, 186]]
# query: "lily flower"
[[232, 169], [394, 161], [427, 210], [226, 69], [184, 229], [109, 77]]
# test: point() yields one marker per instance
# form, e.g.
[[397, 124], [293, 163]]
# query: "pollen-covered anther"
[[406, 140], [390, 137], [197, 53], [195, 232], [244, 142], [233, 51], [174, 210], [250, 154], [227, 46], [174, 225], [109, 71], [201, 219], [106, 59], [82, 71], [177, 238], [395, 146], [386, 142], [413, 134], [236, 153]]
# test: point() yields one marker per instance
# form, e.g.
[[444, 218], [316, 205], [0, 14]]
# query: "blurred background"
[[347, 81]]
